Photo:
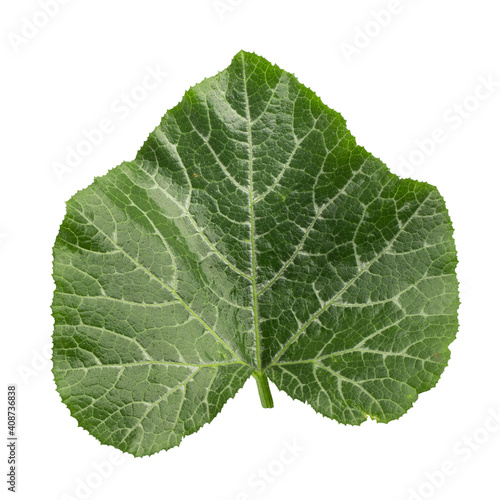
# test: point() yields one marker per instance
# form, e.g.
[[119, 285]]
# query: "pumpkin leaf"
[[251, 235]]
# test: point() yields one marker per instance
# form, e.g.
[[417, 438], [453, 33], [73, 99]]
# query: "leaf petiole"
[[266, 397]]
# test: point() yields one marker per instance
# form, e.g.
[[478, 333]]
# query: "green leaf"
[[251, 235]]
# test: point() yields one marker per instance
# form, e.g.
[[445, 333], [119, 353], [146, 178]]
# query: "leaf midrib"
[[252, 219]]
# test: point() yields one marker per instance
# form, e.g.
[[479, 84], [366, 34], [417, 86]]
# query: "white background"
[[406, 81]]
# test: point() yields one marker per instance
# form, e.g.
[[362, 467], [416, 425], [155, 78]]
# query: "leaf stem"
[[266, 397]]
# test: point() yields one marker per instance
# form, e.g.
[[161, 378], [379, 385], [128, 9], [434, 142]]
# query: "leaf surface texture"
[[251, 234]]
